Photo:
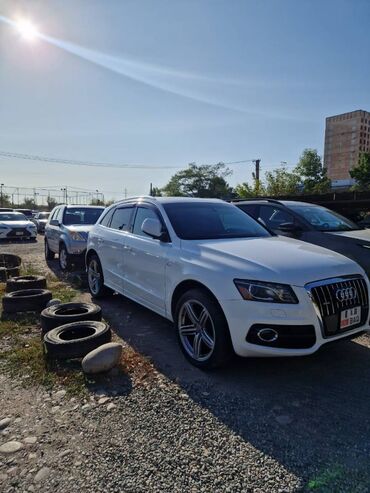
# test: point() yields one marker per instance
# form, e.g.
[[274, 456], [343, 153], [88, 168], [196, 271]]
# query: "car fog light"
[[267, 335]]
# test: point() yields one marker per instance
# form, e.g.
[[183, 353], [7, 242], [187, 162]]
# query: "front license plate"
[[351, 316], [19, 233]]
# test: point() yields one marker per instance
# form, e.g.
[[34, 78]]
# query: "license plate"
[[19, 233], [351, 316]]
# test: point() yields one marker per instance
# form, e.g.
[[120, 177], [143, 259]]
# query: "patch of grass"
[[27, 358], [339, 478], [21, 349]]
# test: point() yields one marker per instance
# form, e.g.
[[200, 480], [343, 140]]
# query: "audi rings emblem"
[[346, 294]]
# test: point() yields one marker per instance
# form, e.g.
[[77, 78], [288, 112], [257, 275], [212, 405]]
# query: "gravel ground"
[[259, 426]]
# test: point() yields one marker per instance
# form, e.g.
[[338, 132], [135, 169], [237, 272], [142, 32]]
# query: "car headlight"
[[76, 236], [268, 292]]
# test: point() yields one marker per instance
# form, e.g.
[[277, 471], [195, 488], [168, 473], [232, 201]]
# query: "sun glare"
[[27, 30]]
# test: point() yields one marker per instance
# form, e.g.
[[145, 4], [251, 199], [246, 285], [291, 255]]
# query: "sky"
[[162, 83]]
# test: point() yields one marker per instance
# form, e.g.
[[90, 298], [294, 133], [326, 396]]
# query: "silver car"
[[14, 225], [40, 219], [66, 233]]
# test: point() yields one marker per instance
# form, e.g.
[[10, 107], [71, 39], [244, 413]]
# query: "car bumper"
[[244, 316], [19, 234]]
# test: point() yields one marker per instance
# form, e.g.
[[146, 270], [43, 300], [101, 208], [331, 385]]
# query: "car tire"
[[25, 282], [95, 278], [76, 340], [207, 344], [64, 258], [65, 313], [49, 255], [26, 300]]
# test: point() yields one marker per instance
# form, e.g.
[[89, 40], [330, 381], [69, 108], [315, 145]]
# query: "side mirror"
[[55, 222], [153, 228], [289, 228]]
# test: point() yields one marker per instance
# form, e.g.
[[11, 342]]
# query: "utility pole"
[[2, 198], [257, 163], [17, 196], [151, 190]]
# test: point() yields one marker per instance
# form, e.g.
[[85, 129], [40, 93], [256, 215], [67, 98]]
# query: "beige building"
[[346, 136]]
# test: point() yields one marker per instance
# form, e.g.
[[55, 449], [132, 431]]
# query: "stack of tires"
[[26, 294], [72, 330], [68, 330]]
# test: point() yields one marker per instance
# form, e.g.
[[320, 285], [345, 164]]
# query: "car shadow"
[[308, 413]]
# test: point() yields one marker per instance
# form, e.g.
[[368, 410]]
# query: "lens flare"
[[27, 30]]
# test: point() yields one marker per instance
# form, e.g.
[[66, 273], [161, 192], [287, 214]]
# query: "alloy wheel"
[[94, 276], [196, 330]]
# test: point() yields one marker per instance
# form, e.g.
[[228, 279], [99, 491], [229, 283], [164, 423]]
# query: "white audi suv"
[[227, 283]]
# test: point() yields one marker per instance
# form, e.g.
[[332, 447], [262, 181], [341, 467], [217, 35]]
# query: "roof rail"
[[256, 199]]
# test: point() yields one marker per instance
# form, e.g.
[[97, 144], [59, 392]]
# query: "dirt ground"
[[261, 425]]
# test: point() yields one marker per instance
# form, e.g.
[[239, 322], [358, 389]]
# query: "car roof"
[[286, 203], [69, 206], [167, 200]]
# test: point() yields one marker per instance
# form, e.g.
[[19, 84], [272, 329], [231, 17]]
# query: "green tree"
[[361, 172], [51, 202], [5, 200], [200, 181], [246, 191], [312, 172], [281, 182], [96, 202], [156, 192]]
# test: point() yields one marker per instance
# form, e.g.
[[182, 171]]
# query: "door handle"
[[127, 248]]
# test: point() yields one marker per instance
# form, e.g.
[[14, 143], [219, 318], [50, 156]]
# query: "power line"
[[73, 162]]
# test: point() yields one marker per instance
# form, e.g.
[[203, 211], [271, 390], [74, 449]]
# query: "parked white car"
[[14, 225], [226, 282]]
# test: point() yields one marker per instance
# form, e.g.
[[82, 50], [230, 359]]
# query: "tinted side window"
[[59, 215], [252, 209], [107, 217], [54, 214], [142, 214], [272, 217], [121, 218]]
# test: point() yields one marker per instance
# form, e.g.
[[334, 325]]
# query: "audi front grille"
[[332, 296]]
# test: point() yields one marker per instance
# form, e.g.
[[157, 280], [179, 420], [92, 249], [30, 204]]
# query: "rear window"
[[12, 216], [81, 215]]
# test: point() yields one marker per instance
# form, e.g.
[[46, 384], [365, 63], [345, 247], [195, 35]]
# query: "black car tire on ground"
[[222, 349], [12, 272], [25, 282], [65, 313], [76, 340], [26, 300], [49, 255]]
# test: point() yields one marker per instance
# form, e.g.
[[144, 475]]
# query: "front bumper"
[[242, 315], [18, 234]]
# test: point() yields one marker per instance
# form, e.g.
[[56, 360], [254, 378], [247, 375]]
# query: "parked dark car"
[[26, 212], [314, 224], [40, 219]]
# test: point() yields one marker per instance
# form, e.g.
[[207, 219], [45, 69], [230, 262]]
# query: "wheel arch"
[[185, 286]]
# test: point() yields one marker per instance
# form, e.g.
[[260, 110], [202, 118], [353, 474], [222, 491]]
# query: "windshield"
[[81, 215], [12, 216], [211, 221], [43, 215], [323, 219]]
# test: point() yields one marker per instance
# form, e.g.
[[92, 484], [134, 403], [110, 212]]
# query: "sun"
[[27, 29]]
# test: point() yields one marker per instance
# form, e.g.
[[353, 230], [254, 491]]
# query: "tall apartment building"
[[346, 136]]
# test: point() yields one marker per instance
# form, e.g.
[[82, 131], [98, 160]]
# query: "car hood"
[[81, 228], [275, 259], [358, 234], [16, 224]]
